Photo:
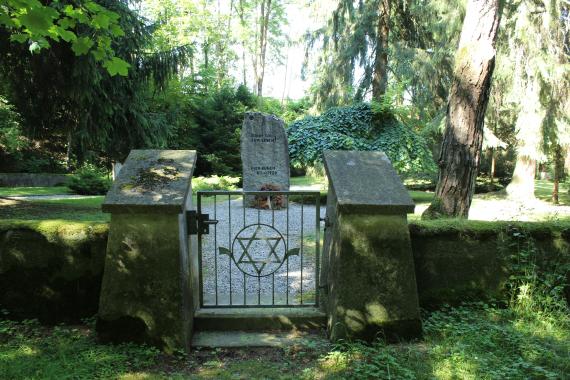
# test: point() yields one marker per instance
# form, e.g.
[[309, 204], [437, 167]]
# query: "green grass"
[[83, 209], [473, 341], [89, 201], [308, 181], [543, 190], [421, 196], [23, 191], [88, 208]]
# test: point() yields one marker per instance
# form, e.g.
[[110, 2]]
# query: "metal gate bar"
[[281, 251]]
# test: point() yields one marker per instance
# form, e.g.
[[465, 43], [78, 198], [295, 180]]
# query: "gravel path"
[[259, 240]]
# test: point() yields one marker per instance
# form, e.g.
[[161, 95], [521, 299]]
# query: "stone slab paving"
[[281, 278]]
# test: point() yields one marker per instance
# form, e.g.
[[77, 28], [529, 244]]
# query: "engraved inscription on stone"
[[264, 154]]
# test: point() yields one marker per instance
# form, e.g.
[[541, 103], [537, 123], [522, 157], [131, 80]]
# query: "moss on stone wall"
[[459, 260], [371, 281], [51, 270], [60, 262]]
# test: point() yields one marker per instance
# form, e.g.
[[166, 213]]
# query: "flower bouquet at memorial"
[[270, 202]]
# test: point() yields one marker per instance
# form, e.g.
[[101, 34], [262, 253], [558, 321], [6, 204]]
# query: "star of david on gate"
[[259, 265]]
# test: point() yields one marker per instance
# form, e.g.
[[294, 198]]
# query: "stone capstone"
[[366, 181], [152, 180]]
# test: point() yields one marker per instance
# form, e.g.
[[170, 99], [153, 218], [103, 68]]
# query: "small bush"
[[11, 139], [89, 180], [215, 183]]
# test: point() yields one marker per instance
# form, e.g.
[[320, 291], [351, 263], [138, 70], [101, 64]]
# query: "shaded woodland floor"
[[474, 341]]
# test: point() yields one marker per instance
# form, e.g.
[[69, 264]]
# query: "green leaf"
[[66, 35], [101, 20], [81, 45], [224, 251], [6, 20], [38, 20], [99, 54], [19, 37], [117, 66], [293, 252], [116, 31], [66, 23], [93, 7]]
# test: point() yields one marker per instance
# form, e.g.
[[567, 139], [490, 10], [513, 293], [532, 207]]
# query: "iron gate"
[[258, 248]]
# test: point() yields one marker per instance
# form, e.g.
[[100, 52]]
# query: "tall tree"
[[371, 45], [261, 44], [537, 45], [72, 101], [469, 95], [380, 75], [269, 22]]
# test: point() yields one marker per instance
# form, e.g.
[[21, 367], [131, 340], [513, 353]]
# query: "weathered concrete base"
[[216, 339], [144, 295], [373, 290], [259, 319]]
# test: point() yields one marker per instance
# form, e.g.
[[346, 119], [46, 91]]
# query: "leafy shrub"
[[215, 183], [11, 139], [539, 283], [211, 124], [89, 180], [358, 128]]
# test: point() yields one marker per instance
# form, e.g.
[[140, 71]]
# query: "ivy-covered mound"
[[358, 128]]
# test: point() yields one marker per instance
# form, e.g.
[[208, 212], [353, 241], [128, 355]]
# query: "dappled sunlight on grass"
[[469, 342], [496, 206], [543, 190], [85, 201], [24, 191], [308, 182]]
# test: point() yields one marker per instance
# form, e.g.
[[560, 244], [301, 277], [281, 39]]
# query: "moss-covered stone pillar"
[[367, 272], [147, 290]]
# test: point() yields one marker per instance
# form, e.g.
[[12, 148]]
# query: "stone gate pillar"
[[147, 293], [368, 277]]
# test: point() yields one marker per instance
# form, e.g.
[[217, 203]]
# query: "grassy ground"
[[543, 191], [470, 342], [85, 209], [22, 191], [88, 209], [308, 181]]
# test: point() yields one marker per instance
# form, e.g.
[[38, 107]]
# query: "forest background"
[[82, 83]]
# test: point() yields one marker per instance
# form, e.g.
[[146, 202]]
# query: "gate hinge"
[[198, 223]]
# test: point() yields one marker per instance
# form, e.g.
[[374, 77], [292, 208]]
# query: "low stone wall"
[[472, 260], [31, 179], [52, 270]]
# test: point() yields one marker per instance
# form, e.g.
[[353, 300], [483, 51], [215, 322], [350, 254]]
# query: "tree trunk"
[[522, 184], [68, 150], [240, 12], [285, 77], [263, 29], [469, 95], [492, 165], [529, 141], [558, 171], [380, 75]]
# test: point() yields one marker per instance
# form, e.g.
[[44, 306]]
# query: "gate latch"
[[198, 223]]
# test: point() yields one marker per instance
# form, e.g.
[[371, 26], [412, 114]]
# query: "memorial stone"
[[264, 154]]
